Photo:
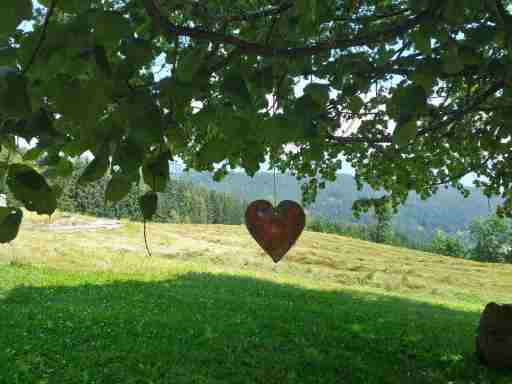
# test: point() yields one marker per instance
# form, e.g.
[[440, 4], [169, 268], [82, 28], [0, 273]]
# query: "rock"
[[494, 339]]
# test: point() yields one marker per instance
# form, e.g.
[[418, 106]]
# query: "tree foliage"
[[180, 202], [492, 238], [426, 83], [444, 244]]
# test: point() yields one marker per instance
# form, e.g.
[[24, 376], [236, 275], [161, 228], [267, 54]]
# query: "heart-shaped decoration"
[[275, 229]]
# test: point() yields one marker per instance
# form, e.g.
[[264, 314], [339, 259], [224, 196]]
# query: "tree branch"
[[464, 111], [359, 140], [454, 117], [460, 175], [375, 17], [42, 37], [170, 30]]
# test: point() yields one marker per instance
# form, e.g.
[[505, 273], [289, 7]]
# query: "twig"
[[359, 140], [458, 115], [278, 92], [375, 17], [42, 37], [462, 174]]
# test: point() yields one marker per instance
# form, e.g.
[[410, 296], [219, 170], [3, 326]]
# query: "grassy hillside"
[[447, 210], [210, 307]]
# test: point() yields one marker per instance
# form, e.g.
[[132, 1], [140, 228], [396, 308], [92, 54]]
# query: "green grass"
[[74, 312]]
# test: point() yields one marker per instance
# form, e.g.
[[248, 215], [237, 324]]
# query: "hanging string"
[[275, 187]]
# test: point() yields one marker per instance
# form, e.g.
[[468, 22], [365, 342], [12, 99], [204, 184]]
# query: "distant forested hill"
[[180, 202], [447, 210]]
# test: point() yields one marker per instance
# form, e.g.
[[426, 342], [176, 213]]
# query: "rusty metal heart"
[[275, 229]]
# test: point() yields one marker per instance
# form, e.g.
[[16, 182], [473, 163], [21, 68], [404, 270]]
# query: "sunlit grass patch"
[[210, 306]]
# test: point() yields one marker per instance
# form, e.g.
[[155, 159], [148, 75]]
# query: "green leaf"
[[8, 55], [262, 80], [188, 65], [40, 125], [213, 151], [407, 102], [12, 13], [308, 15], [452, 65], [450, 59], [82, 102], [220, 174], [355, 103], [418, 5], [318, 92], [64, 167], [424, 76], [49, 160], [404, 133], [138, 51], [422, 41], [110, 27], [33, 154], [100, 56], [469, 56], [156, 172], [14, 100], [118, 188], [129, 157], [148, 204], [454, 10], [95, 170], [145, 120], [69, 6], [234, 86], [300, 123], [29, 187], [10, 220]]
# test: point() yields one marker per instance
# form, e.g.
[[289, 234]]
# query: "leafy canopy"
[[414, 94]]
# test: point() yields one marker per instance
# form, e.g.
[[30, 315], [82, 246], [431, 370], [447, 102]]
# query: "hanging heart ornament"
[[275, 229]]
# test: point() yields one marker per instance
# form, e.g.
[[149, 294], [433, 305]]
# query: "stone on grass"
[[494, 339]]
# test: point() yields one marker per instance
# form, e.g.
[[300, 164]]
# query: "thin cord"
[[274, 107], [275, 187]]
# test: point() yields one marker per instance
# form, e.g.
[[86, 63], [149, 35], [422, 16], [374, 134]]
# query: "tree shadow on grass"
[[205, 328]]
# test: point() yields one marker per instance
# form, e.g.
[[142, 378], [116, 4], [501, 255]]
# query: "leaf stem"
[[146, 239]]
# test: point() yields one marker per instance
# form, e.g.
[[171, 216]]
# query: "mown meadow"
[[210, 307]]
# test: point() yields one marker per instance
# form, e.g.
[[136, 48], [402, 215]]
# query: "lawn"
[[209, 307]]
